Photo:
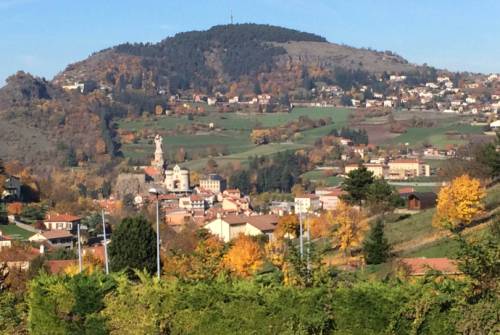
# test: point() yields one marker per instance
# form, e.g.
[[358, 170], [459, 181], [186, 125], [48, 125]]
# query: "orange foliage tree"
[[459, 203], [245, 257], [14, 208]]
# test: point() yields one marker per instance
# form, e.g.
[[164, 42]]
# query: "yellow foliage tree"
[[321, 226], [350, 225], [287, 226], [459, 203], [245, 257]]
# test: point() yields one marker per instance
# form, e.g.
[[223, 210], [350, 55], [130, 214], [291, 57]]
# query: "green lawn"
[[15, 232], [437, 135], [412, 228], [319, 176]]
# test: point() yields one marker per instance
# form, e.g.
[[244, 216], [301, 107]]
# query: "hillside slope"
[[222, 57], [42, 126]]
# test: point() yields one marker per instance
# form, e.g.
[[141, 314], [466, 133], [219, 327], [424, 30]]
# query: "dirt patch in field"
[[379, 133]]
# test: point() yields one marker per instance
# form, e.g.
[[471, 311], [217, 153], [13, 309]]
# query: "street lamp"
[[155, 192]]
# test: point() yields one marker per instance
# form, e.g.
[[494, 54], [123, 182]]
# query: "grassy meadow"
[[232, 134]]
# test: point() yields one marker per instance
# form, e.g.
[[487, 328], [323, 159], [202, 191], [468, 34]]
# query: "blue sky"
[[43, 36]]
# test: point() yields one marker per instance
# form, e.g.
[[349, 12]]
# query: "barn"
[[421, 200]]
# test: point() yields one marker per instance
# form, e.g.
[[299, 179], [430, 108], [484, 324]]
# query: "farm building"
[[421, 200]]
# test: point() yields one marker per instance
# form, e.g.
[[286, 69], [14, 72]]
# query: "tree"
[[459, 203], [70, 159], [376, 248], [133, 246], [382, 197], [349, 227], [245, 257], [288, 226], [356, 185], [14, 208]]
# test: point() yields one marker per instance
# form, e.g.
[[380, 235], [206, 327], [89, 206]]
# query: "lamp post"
[[155, 192], [105, 243], [301, 234]]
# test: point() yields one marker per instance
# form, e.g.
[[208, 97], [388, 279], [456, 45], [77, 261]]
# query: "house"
[[230, 226], [420, 266], [62, 222], [421, 200], [5, 242], [307, 203], [19, 257], [408, 168], [177, 218], [235, 205], [281, 208], [495, 125], [331, 199], [194, 201], [379, 170], [55, 238], [213, 182], [12, 189]]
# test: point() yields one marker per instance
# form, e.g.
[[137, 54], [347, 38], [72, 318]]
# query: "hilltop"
[[230, 58]]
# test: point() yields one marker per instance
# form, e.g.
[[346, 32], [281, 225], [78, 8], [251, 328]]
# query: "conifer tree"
[[133, 245], [376, 247]]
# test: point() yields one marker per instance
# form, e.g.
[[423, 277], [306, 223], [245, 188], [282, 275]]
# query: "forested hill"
[[229, 58], [43, 126]]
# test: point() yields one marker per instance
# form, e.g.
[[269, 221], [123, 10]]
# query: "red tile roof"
[[50, 234], [151, 171], [62, 218], [419, 266], [18, 254], [307, 196], [404, 190]]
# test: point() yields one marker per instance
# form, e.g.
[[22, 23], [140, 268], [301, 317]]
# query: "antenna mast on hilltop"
[[231, 16]]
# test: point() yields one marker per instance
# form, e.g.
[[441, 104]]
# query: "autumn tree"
[[459, 202], [350, 227], [202, 264], [321, 226], [245, 257], [14, 208], [288, 226]]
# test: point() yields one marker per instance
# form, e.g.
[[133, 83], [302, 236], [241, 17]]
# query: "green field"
[[437, 135], [232, 134], [15, 232], [319, 176]]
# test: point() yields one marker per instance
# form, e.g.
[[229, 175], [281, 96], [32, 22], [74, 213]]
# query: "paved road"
[[423, 183]]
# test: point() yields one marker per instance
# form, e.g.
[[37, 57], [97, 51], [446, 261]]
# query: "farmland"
[[231, 134]]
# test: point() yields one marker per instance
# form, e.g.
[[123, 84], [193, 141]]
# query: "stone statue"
[[158, 161], [158, 143]]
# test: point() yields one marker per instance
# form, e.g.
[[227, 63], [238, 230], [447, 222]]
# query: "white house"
[[61, 222], [229, 227], [56, 238], [307, 203], [495, 125]]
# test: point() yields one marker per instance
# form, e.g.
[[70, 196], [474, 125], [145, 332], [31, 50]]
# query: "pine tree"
[[133, 245], [376, 247], [357, 184]]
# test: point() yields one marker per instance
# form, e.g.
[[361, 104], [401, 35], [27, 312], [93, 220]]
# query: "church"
[[176, 179]]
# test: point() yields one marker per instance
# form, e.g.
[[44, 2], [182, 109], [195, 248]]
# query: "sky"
[[44, 36]]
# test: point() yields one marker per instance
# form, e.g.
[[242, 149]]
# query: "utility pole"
[[157, 236], [106, 264], [79, 247], [231, 17], [301, 235]]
